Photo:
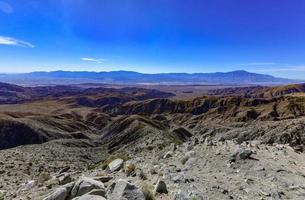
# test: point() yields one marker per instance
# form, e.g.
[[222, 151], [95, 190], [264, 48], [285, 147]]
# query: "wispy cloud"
[[258, 63], [97, 60], [296, 68], [5, 7], [14, 42]]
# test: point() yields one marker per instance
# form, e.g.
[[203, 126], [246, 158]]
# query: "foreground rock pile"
[[198, 169]]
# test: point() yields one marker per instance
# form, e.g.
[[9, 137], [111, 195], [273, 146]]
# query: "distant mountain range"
[[130, 77]]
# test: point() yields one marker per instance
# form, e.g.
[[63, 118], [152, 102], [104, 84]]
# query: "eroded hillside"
[[82, 128]]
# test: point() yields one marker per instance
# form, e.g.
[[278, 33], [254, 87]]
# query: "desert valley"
[[85, 141]]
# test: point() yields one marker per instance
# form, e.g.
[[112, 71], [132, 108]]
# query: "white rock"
[[115, 165], [168, 154]]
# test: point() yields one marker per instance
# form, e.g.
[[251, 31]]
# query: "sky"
[[153, 36]]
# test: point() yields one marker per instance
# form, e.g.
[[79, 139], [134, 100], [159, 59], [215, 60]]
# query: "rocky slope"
[[200, 168], [260, 91]]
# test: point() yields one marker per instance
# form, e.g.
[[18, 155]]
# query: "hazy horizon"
[[92, 71], [157, 36]]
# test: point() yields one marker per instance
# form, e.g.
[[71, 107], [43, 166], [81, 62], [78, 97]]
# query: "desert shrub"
[[147, 191], [130, 168], [142, 175]]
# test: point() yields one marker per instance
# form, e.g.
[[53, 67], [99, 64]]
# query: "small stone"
[[249, 181], [265, 193], [233, 157], [168, 155]]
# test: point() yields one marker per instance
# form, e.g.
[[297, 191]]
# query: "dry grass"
[[129, 169], [148, 192]]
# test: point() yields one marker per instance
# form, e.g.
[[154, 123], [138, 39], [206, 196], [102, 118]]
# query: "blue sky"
[[264, 36]]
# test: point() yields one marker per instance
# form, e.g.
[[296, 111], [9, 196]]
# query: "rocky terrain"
[[197, 169], [63, 142]]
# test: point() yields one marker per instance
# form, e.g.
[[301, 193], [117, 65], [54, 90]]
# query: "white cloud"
[[97, 60], [14, 42], [5, 7]]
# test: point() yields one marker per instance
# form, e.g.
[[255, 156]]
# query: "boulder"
[[123, 190], [115, 165], [61, 193], [85, 185], [160, 188]]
